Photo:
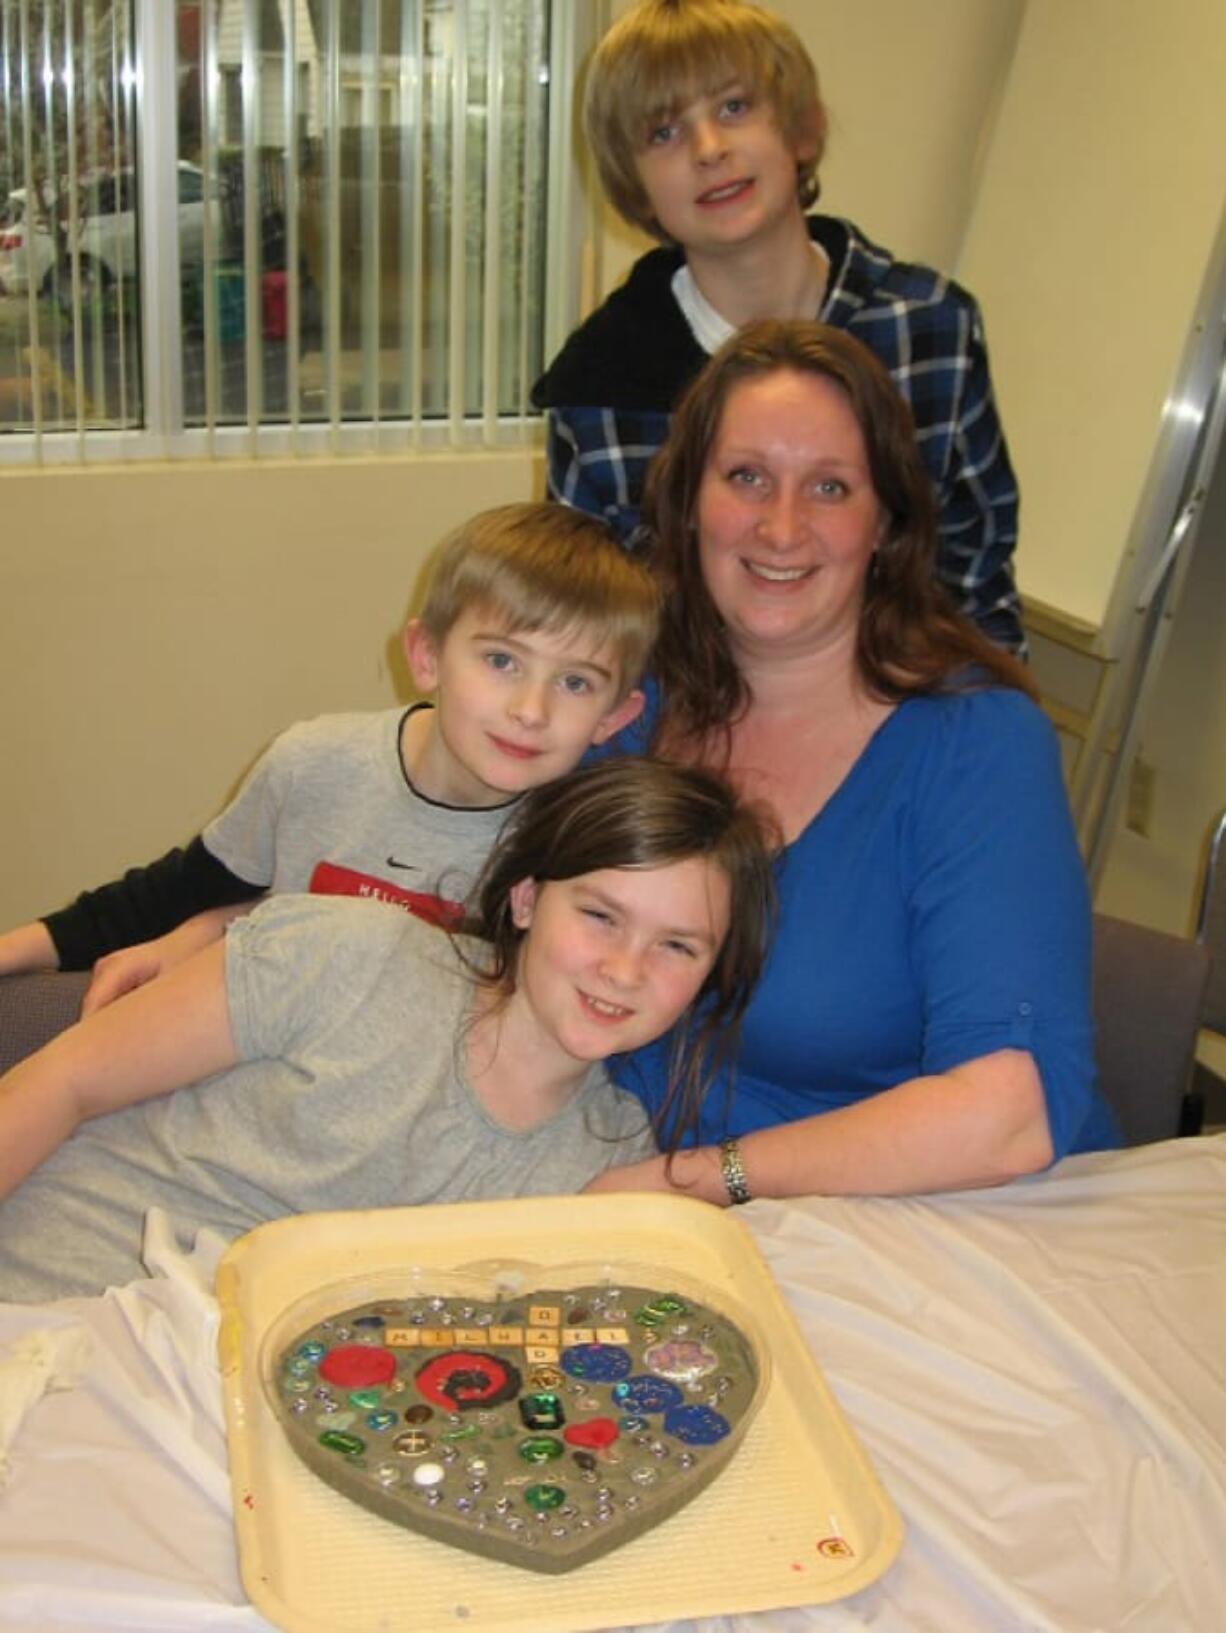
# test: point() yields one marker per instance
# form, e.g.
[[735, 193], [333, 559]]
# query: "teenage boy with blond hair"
[[533, 635], [707, 127]]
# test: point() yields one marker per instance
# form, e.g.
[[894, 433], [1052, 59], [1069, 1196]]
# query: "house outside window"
[[258, 225]]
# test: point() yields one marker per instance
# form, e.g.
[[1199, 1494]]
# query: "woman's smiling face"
[[787, 516]]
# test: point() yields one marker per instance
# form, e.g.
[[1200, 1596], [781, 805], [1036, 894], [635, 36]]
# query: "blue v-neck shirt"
[[935, 910]]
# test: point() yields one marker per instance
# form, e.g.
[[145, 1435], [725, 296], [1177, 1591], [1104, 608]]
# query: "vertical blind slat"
[[252, 268], [456, 314], [372, 204], [331, 226], [92, 375], [68, 80], [120, 80], [491, 281], [293, 198], [410, 261], [534, 187], [211, 221], [31, 209]]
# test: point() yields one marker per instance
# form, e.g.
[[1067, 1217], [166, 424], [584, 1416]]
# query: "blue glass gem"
[[597, 1363], [647, 1394], [312, 1351], [368, 1321], [696, 1425], [381, 1421]]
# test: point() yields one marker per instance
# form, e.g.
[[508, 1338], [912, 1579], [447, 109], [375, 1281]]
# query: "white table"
[[1038, 1373]]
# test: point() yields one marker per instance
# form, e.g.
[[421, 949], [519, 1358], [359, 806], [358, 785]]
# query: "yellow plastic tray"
[[797, 1518]]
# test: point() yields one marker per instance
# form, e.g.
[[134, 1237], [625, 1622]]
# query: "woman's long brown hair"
[[911, 640]]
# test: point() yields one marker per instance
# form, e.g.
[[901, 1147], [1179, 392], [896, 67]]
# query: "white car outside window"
[[106, 237]]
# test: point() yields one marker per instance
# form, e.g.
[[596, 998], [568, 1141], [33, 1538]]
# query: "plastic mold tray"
[[796, 1518]]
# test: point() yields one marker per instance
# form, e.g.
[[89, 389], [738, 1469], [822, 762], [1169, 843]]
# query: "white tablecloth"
[[1038, 1373]]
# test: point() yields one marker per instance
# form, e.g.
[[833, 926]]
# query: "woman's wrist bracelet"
[[733, 1171]]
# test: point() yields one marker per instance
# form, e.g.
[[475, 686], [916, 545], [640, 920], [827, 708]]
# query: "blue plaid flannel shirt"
[[637, 351]]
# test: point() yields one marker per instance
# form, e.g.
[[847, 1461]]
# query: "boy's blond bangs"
[[545, 566], [659, 57]]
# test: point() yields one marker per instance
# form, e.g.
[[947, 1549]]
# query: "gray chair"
[[1148, 993], [1211, 933], [33, 1008]]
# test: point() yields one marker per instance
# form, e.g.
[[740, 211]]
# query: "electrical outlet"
[[1140, 815]]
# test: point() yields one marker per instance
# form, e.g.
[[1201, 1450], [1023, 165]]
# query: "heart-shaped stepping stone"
[[544, 1429]]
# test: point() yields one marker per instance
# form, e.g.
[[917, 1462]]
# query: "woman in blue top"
[[924, 1019]]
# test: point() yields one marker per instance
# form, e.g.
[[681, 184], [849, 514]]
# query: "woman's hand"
[[647, 1175], [981, 1123], [693, 1173]]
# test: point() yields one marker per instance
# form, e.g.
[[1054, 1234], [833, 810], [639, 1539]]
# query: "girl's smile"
[[610, 960]]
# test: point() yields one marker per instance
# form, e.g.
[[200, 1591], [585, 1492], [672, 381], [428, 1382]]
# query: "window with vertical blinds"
[[270, 225]]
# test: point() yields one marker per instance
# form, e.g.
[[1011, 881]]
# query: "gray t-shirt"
[[349, 1022], [328, 808]]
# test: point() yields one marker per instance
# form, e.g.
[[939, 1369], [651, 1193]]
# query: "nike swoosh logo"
[[407, 867]]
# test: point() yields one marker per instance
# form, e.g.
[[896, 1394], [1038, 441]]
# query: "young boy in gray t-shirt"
[[534, 633]]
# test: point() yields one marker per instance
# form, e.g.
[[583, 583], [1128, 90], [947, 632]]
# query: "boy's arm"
[[146, 902], [29, 947], [596, 460], [173, 1032], [979, 506]]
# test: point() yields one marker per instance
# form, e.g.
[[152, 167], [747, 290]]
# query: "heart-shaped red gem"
[[595, 1434]]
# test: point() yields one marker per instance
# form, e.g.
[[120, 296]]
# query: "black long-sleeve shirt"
[[146, 902]]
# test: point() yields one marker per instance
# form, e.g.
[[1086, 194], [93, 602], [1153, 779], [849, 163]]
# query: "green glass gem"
[[660, 1310], [367, 1399], [466, 1431], [336, 1441], [542, 1410], [544, 1498], [540, 1449]]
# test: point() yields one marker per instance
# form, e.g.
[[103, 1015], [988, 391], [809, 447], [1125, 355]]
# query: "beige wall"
[[912, 90], [1089, 245], [160, 624]]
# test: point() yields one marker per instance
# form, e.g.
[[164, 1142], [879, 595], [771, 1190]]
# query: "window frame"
[[164, 436]]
